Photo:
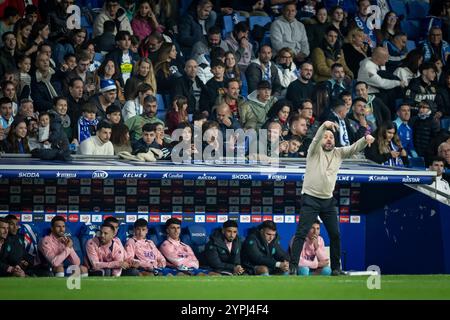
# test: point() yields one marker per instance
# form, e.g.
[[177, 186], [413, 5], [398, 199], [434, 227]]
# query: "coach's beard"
[[328, 146]]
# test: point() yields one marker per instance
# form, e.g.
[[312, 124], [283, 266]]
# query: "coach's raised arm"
[[322, 166]]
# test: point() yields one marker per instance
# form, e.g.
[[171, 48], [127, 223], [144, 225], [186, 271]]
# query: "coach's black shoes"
[[293, 269], [338, 272]]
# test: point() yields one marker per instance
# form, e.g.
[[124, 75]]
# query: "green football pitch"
[[230, 288]]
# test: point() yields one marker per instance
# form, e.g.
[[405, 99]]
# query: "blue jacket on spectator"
[[405, 134], [428, 51]]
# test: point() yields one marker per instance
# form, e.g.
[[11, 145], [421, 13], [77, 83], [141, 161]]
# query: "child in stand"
[[24, 64], [87, 124], [160, 141], [295, 143], [44, 130], [148, 137], [177, 114]]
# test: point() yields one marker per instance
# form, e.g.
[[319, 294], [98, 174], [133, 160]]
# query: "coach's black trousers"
[[311, 207]]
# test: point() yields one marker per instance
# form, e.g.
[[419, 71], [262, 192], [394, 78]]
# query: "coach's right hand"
[[331, 125]]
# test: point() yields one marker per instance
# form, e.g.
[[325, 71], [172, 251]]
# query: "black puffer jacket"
[[217, 255], [424, 130], [12, 253], [257, 252]]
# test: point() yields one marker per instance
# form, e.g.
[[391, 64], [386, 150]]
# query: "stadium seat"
[[411, 28], [129, 230], [228, 23], [31, 233], [151, 235], [160, 102], [92, 3], [160, 233], [122, 233], [399, 7], [244, 86], [161, 107], [417, 9], [258, 21], [418, 162], [410, 45], [88, 231], [85, 24], [445, 124], [184, 6], [198, 238], [78, 250]]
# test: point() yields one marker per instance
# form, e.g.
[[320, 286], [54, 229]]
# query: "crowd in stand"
[[140, 70]]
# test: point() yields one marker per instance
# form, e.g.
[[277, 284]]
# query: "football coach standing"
[[322, 166]]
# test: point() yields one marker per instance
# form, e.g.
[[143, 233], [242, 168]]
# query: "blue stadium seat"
[[417, 9], [31, 233], [88, 231], [228, 24], [198, 238], [418, 162], [184, 6], [445, 124], [244, 86], [161, 107], [160, 101], [160, 233], [122, 233], [151, 235], [78, 250], [129, 231], [410, 45], [258, 21], [85, 24], [92, 3], [399, 7], [411, 28]]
